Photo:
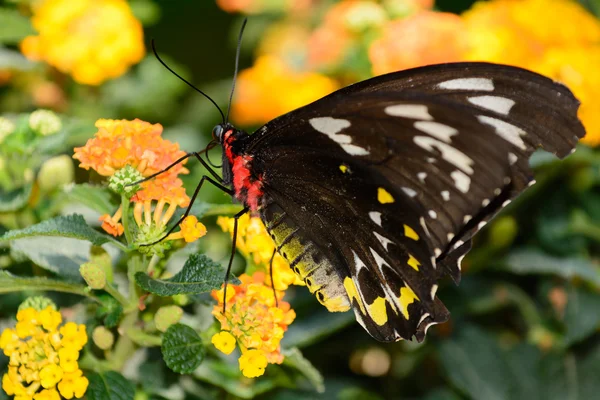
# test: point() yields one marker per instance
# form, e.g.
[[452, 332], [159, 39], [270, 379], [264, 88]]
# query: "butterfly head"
[[233, 142]]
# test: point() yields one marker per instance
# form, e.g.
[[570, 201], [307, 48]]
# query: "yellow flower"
[[73, 336], [224, 342], [93, 40], [191, 230], [252, 317], [50, 375], [47, 394], [254, 242], [41, 355], [68, 359], [253, 363], [271, 88], [73, 385]]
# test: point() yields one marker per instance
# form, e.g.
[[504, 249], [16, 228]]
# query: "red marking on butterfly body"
[[247, 188]]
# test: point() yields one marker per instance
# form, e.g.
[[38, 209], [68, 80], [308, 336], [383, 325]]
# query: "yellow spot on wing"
[[383, 196], [413, 262], [343, 168], [378, 312], [353, 293], [407, 296], [410, 233], [336, 304]]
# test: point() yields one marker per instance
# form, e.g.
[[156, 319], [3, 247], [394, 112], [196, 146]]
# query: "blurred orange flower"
[[254, 320], [271, 88], [424, 38], [92, 40], [260, 6]]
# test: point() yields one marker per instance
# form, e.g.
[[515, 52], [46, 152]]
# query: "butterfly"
[[374, 192]]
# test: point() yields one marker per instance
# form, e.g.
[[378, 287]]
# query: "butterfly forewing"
[[378, 188]]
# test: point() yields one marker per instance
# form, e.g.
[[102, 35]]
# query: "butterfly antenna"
[[189, 84], [237, 63]]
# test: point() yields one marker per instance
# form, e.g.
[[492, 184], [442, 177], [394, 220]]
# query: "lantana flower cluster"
[[43, 356], [127, 152], [92, 40], [254, 320], [254, 242], [357, 39]]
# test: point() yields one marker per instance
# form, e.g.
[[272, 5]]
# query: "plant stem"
[[125, 219], [110, 289], [124, 347]]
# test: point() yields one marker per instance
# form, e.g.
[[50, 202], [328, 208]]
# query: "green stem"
[[14, 284], [110, 289], [124, 348], [133, 266], [125, 219], [152, 265], [144, 339]]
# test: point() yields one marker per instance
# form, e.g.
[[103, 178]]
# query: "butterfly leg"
[[236, 217], [271, 275], [192, 200]]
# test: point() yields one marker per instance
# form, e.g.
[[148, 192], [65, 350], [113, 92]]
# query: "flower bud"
[[56, 172], [6, 128], [503, 232], [45, 122], [94, 275], [103, 338], [364, 15], [167, 316], [123, 177], [38, 303]]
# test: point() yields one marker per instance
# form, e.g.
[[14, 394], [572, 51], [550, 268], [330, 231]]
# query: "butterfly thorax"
[[237, 169]]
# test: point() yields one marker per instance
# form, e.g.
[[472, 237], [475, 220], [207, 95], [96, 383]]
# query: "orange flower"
[[111, 224], [93, 40], [253, 318], [136, 143], [271, 88], [424, 38], [258, 6]]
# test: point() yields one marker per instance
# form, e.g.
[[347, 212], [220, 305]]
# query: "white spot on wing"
[[409, 192], [450, 236], [375, 217], [531, 183], [466, 219], [512, 158], [459, 262], [449, 153], [437, 252], [432, 214], [483, 84], [458, 244], [461, 181], [425, 315], [378, 260], [358, 263], [437, 130], [424, 226], [383, 240], [507, 202], [413, 111], [508, 132], [485, 202], [498, 104], [481, 224], [332, 128], [430, 160], [434, 289], [422, 176], [445, 195]]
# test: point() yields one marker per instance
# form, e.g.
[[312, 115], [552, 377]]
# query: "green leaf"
[[531, 261], [63, 256], [475, 365], [295, 359], [182, 349], [15, 199], [315, 327], [357, 393], [109, 386], [14, 26], [110, 309], [95, 197], [70, 226], [11, 283], [441, 394], [200, 274], [581, 314]]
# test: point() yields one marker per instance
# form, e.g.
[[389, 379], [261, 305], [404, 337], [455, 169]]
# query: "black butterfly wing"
[[450, 144]]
